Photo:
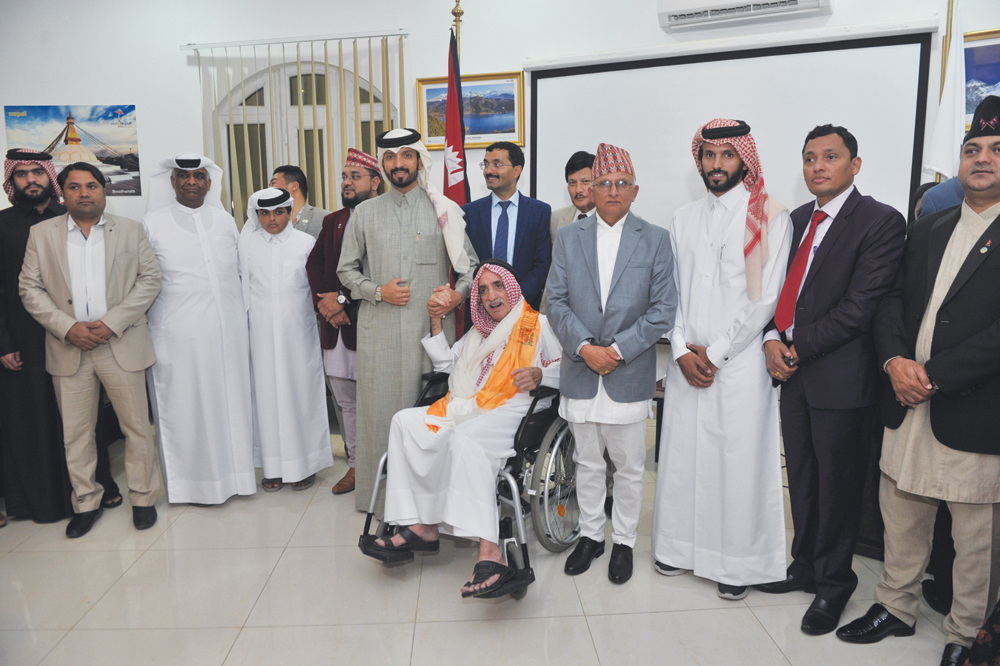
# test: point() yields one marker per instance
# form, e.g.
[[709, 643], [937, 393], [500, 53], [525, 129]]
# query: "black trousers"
[[826, 455]]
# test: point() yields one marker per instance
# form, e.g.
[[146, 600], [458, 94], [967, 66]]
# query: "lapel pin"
[[982, 250]]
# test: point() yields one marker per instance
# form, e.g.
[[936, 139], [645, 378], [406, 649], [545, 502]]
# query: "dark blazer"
[[642, 302], [321, 267], [854, 267], [965, 352], [532, 241]]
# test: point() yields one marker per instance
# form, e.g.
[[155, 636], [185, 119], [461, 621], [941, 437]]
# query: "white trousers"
[[626, 445], [449, 478]]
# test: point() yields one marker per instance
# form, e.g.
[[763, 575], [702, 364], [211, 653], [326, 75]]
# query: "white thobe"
[[291, 429], [719, 508], [448, 478], [199, 386]]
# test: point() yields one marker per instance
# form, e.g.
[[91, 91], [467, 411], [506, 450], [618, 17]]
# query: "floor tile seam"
[[593, 643], [335, 624], [57, 643], [560, 616], [109, 588], [727, 609], [788, 660], [262, 588]]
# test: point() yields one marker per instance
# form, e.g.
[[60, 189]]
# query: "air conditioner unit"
[[692, 14]]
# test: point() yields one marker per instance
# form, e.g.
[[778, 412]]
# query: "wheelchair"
[[539, 479]]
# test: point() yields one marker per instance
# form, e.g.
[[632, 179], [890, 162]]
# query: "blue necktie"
[[500, 242]]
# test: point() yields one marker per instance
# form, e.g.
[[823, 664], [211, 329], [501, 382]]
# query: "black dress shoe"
[[873, 626], [620, 566], [609, 503], [81, 523], [822, 617], [954, 655], [143, 517], [790, 584], [586, 551]]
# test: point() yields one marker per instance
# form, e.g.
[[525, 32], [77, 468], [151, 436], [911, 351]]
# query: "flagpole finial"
[[458, 12]]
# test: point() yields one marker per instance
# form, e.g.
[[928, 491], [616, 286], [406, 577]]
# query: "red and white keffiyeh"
[[481, 319], [23, 156], [755, 252]]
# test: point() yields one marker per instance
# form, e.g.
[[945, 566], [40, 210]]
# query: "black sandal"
[[411, 542], [482, 572]]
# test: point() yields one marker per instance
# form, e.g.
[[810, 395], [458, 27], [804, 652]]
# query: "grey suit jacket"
[[640, 308], [133, 281], [311, 220]]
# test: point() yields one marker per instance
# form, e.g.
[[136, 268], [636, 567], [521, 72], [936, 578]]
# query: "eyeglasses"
[[605, 185], [354, 176], [497, 164]]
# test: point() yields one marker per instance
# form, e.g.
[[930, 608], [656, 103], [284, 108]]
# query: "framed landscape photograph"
[[982, 68], [493, 109]]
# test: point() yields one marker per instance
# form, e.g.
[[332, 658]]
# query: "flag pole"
[[458, 12]]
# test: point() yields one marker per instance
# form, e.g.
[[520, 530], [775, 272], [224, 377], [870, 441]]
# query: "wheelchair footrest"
[[367, 545], [522, 579]]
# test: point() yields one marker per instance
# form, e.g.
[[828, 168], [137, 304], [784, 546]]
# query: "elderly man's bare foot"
[[428, 533], [488, 552]]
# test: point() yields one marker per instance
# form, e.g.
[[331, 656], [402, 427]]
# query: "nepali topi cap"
[[357, 158], [610, 159]]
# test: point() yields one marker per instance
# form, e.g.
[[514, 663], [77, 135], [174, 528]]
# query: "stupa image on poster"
[[104, 136]]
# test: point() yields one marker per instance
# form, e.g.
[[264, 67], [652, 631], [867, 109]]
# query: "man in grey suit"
[[305, 217], [611, 297]]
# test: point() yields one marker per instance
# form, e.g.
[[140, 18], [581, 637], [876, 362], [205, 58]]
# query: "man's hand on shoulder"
[[909, 381]]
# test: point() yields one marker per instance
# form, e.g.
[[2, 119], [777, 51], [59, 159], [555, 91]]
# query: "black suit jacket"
[[965, 351], [854, 267], [532, 241]]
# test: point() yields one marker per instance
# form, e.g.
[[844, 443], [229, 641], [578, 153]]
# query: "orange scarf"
[[499, 387]]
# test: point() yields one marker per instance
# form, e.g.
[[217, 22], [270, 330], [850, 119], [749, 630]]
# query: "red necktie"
[[784, 315]]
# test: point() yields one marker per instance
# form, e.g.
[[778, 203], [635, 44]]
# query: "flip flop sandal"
[[305, 483], [412, 543], [276, 485], [482, 572], [112, 503]]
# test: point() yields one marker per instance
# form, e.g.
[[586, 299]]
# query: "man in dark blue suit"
[[508, 225], [845, 255]]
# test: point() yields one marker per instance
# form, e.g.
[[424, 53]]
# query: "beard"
[[411, 177], [729, 183], [21, 196], [354, 199]]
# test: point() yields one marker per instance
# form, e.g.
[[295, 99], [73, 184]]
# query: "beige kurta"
[[392, 236], [911, 455]]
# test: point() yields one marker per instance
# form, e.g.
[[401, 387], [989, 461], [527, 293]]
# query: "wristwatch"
[[341, 298], [378, 294]]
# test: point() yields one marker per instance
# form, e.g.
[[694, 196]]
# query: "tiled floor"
[[278, 578]]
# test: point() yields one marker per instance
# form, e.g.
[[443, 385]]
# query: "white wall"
[[86, 52]]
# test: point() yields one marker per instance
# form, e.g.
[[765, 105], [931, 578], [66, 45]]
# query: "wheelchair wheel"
[[555, 512]]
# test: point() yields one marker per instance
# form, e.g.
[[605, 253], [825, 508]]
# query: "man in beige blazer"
[[89, 278]]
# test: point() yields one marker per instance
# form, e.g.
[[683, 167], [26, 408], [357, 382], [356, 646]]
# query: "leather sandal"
[[411, 542], [271, 485], [482, 572]]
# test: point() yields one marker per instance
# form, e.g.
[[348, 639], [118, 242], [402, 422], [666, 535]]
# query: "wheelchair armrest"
[[434, 377], [544, 392]]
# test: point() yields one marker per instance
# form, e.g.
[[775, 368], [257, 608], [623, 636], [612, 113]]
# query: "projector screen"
[[876, 88]]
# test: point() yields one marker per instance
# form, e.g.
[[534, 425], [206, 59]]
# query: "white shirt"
[[495, 210], [832, 209], [85, 255], [601, 408]]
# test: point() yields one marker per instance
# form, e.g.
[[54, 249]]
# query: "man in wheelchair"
[[444, 459]]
